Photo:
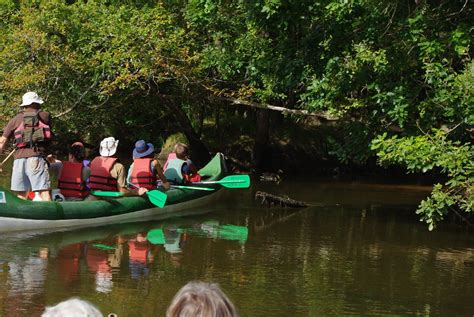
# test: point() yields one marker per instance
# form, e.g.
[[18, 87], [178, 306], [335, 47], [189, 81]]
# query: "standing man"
[[31, 131]]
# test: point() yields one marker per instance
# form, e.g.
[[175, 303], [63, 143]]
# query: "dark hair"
[[77, 151]]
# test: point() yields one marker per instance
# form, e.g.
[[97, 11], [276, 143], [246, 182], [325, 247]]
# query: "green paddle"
[[192, 187], [156, 197], [231, 181], [156, 236], [103, 246]]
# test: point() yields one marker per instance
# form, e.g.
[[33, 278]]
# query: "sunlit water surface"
[[359, 250]]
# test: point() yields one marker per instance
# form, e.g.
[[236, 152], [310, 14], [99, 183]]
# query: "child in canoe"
[[179, 168]]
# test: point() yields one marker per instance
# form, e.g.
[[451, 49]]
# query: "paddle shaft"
[[8, 156], [231, 181], [156, 197], [220, 182], [192, 187]]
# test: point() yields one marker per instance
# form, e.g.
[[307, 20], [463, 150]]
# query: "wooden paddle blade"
[[235, 181], [156, 236], [157, 198], [103, 193]]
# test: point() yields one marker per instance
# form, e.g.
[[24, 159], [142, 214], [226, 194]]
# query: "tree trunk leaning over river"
[[200, 153], [262, 137]]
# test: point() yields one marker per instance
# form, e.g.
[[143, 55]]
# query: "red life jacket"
[[100, 178], [70, 181], [142, 175], [31, 131], [194, 178]]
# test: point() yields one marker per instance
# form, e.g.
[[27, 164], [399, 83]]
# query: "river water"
[[358, 250]]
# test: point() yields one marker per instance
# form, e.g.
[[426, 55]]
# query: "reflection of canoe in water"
[[17, 214], [208, 229], [105, 237], [216, 231]]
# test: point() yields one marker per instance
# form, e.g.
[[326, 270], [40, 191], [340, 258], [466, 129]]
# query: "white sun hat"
[[29, 98], [108, 146]]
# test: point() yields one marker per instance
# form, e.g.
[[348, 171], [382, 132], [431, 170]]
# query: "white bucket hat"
[[108, 146], [29, 98]]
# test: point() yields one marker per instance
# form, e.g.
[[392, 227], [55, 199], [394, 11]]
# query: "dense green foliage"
[[426, 152], [382, 68]]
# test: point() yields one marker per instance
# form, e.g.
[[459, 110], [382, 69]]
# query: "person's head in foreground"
[[73, 307], [198, 299]]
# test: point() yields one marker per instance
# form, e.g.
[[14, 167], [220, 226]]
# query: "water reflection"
[[105, 254], [362, 259]]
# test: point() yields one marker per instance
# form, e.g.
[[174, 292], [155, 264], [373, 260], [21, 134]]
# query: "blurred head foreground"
[[197, 299], [73, 307]]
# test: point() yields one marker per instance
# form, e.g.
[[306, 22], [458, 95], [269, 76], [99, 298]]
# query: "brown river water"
[[358, 250]]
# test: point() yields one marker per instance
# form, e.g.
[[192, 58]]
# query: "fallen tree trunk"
[[273, 200], [241, 102]]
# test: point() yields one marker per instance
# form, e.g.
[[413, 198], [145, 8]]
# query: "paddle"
[[192, 187], [103, 246], [156, 236], [6, 159], [156, 197], [231, 181]]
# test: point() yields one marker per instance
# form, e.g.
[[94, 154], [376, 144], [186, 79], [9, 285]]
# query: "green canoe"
[[17, 214]]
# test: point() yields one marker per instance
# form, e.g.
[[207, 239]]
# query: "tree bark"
[[284, 110]]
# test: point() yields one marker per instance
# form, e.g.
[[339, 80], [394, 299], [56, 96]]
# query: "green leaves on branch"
[[428, 152]]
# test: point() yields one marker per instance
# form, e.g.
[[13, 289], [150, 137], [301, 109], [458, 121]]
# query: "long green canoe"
[[17, 214]]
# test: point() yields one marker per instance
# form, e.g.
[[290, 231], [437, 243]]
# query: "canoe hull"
[[192, 207], [17, 214]]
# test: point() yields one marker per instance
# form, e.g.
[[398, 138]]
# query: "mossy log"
[[273, 200]]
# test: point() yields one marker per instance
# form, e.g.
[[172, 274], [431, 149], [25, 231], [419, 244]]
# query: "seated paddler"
[[146, 171], [73, 175], [108, 173], [179, 167]]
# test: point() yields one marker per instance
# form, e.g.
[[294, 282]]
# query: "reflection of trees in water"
[[265, 219], [317, 261], [25, 283], [373, 260]]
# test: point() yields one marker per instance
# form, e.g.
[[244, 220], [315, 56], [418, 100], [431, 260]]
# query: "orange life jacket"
[[138, 252], [31, 131], [142, 175], [70, 181], [100, 178]]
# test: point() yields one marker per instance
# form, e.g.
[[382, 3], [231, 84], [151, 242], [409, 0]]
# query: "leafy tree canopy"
[[398, 75]]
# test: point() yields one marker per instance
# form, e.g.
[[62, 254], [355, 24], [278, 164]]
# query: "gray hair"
[[198, 299], [73, 307]]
